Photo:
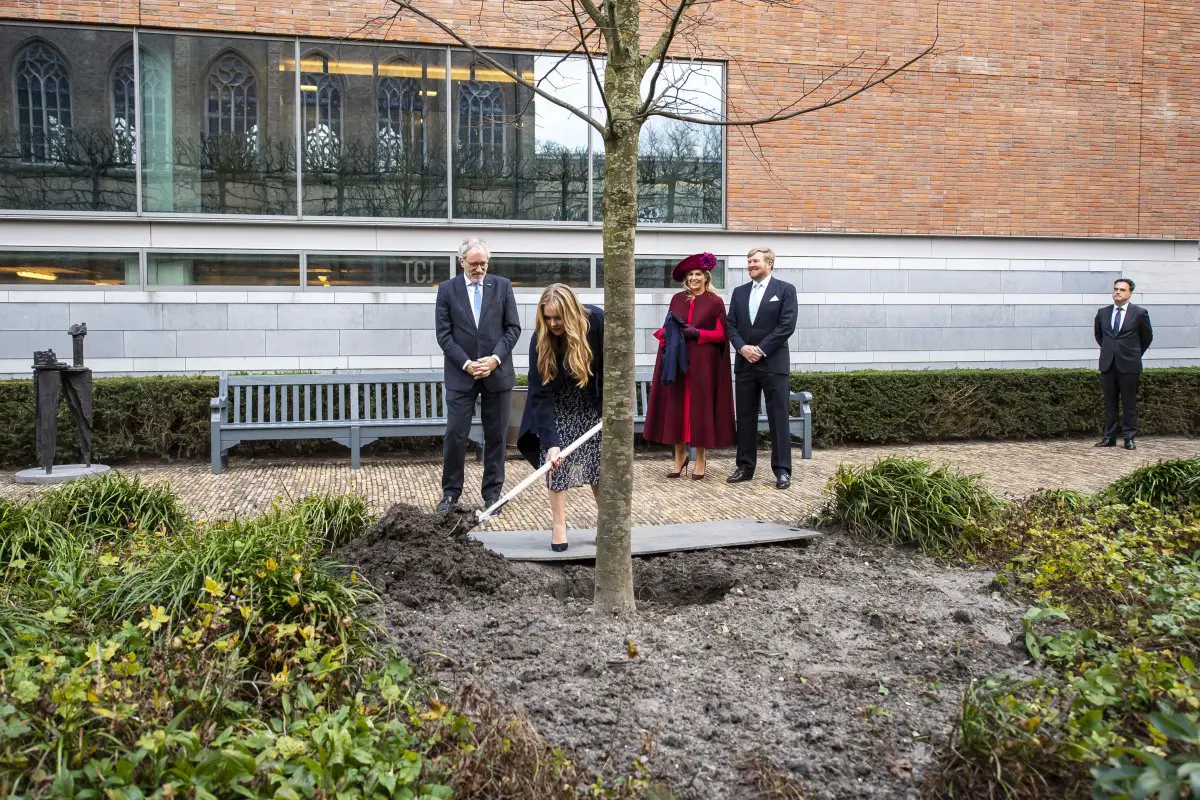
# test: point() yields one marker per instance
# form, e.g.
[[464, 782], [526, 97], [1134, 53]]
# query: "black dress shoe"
[[1106, 443], [783, 480], [446, 503], [739, 475], [1129, 445], [488, 502], [558, 548]]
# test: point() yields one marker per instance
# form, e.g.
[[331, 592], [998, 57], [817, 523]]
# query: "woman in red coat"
[[696, 408]]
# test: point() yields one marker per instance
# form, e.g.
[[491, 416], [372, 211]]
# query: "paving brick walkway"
[[1014, 468]]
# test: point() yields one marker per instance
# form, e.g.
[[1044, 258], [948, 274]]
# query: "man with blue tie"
[[1123, 332], [762, 316], [477, 326]]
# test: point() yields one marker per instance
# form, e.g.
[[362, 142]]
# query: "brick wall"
[[1049, 119]]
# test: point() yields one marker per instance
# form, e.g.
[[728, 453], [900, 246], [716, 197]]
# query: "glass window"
[[43, 103], [679, 163], [227, 142], [321, 107], [655, 273], [417, 269], [154, 105], [517, 155], [541, 271], [69, 269], [375, 131], [222, 269], [59, 150]]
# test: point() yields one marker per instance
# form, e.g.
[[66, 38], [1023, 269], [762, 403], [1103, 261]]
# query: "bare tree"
[[609, 34]]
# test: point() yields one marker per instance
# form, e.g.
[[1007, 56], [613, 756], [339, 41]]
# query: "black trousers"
[[494, 411], [1123, 385], [748, 388]]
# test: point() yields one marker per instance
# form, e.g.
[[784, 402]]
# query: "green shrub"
[[1115, 627], [230, 659], [333, 519], [1165, 484], [905, 501], [154, 418], [115, 502], [936, 405], [26, 533]]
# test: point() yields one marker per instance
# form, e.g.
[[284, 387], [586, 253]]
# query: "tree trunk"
[[623, 75]]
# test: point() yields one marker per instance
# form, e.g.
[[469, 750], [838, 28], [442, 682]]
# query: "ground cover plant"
[[1113, 625], [143, 653]]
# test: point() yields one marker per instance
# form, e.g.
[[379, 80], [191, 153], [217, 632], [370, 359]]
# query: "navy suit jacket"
[[774, 324], [462, 340], [1123, 348]]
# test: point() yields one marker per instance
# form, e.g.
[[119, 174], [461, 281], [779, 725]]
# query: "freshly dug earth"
[[834, 668]]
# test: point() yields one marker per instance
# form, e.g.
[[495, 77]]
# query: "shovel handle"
[[540, 471]]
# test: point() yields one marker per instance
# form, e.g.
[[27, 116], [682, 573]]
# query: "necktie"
[[755, 300], [1117, 319], [478, 301]]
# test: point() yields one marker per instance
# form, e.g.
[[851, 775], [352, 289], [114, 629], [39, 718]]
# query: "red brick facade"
[[1038, 119]]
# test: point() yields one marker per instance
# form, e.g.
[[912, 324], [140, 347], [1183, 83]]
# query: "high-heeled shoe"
[[681, 469], [699, 477], [558, 548]]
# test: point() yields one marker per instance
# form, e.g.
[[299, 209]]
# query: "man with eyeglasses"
[[477, 326]]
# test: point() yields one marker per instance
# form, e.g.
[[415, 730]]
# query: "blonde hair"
[[708, 287], [768, 254], [578, 353]]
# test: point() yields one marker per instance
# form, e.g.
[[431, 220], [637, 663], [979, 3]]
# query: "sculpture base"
[[60, 473]]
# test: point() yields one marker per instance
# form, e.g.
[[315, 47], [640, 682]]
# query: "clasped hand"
[[552, 455], [482, 368], [751, 353]]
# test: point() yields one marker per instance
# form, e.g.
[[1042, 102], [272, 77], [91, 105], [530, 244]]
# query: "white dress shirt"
[[471, 289], [1112, 322], [758, 290]]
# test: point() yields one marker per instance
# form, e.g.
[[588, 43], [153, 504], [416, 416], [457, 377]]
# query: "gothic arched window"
[[231, 107], [401, 134], [154, 106], [43, 103], [321, 94], [481, 129]]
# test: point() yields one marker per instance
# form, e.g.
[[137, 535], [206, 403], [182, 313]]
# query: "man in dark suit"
[[762, 315], [477, 327], [1123, 332]]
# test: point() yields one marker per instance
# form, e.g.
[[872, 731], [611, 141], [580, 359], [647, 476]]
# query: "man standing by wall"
[[1123, 332], [477, 326], [762, 315]]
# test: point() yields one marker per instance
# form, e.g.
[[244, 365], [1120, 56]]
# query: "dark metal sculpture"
[[52, 377]]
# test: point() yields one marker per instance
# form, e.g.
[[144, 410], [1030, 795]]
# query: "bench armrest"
[[216, 409]]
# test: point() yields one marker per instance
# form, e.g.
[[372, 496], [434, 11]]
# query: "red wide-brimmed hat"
[[704, 261]]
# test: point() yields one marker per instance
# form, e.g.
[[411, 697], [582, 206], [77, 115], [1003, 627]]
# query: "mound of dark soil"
[[685, 579], [417, 558]]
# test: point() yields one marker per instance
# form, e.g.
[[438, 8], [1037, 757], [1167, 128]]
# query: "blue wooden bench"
[[355, 410], [352, 410]]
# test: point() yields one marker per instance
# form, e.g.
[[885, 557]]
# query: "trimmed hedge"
[[936, 405], [155, 418]]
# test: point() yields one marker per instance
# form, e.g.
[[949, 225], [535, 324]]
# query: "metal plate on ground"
[[647, 540]]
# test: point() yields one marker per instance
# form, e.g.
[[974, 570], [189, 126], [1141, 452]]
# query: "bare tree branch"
[[659, 52], [874, 80], [591, 59], [517, 77]]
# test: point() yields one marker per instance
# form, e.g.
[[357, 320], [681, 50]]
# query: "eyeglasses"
[[477, 263]]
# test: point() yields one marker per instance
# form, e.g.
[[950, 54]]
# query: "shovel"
[[490, 512]]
